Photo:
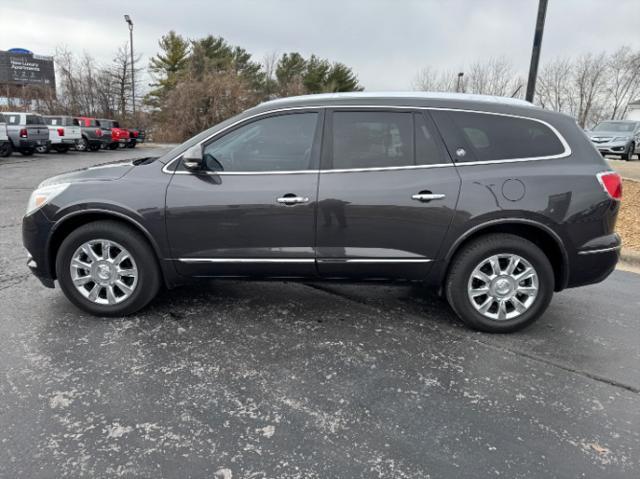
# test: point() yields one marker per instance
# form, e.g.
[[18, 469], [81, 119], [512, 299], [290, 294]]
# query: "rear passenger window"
[[496, 137], [372, 139]]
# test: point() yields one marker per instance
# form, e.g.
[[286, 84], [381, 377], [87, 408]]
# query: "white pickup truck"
[[64, 133], [5, 144]]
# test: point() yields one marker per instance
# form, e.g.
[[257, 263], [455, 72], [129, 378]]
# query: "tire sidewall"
[[457, 285], [148, 273]]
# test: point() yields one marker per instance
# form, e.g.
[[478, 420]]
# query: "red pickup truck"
[[119, 136]]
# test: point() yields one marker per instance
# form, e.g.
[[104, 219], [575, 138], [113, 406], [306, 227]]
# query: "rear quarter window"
[[491, 137], [35, 120]]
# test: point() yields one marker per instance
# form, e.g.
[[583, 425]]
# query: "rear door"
[[251, 209], [387, 194]]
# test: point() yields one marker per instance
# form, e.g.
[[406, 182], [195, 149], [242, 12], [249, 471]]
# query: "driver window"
[[277, 143]]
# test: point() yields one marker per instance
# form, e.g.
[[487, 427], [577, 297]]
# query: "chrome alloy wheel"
[[503, 286], [104, 272]]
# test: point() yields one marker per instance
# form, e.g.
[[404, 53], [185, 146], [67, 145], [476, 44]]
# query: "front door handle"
[[290, 199], [427, 196]]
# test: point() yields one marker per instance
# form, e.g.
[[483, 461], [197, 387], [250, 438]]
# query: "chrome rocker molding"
[[564, 154]]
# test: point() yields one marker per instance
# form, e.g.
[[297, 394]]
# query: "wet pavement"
[[228, 379]]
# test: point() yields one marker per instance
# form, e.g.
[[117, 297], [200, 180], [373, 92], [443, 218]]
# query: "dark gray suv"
[[492, 201]]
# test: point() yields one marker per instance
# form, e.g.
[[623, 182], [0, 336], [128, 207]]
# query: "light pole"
[[459, 84], [127, 18], [535, 52]]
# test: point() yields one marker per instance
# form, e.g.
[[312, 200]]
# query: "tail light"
[[98, 132], [60, 131], [135, 134], [612, 184], [23, 133]]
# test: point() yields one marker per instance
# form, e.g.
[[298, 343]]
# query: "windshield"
[[618, 126]]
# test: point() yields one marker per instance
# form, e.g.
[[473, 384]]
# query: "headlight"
[[621, 138], [42, 196]]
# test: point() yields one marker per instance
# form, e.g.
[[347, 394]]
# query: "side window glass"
[[277, 143], [372, 139], [428, 150], [497, 137]]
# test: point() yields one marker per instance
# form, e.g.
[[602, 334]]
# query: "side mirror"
[[192, 158]]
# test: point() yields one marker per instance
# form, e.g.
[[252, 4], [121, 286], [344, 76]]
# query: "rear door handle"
[[292, 200], [427, 196]]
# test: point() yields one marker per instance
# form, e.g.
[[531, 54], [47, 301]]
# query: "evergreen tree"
[[167, 65]]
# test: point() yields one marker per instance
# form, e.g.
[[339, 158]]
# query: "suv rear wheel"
[[107, 269], [500, 283]]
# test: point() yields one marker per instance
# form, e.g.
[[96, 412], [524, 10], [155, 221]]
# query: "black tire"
[[6, 149], [113, 146], [43, 149], [149, 276], [466, 260], [94, 147], [626, 156], [61, 149], [83, 144], [27, 151]]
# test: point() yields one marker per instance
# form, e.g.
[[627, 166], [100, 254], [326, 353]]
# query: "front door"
[[251, 209], [387, 194]]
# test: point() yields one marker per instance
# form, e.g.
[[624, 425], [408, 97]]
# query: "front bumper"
[[35, 235], [612, 148]]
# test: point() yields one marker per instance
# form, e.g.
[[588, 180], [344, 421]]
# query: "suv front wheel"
[[107, 269], [500, 283]]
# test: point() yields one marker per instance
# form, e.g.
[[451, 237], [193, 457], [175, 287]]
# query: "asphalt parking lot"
[[224, 379]]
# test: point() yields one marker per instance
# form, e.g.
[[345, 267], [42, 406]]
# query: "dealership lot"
[[229, 379]]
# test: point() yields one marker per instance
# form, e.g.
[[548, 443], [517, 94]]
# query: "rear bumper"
[[594, 261], [29, 143]]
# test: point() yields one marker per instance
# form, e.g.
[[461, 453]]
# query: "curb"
[[630, 257]]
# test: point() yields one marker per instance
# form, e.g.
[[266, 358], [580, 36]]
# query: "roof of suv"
[[410, 98]]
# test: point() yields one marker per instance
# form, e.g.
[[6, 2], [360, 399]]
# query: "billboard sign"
[[26, 69]]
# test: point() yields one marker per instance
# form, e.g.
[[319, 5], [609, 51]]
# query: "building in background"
[[25, 76], [633, 110]]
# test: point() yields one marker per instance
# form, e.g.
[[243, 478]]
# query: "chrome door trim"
[[246, 260], [567, 149], [304, 260], [373, 260]]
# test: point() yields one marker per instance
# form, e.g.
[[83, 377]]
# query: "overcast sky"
[[386, 42]]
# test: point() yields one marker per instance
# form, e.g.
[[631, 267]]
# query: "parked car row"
[[27, 133]]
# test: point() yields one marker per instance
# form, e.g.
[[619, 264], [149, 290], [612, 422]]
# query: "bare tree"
[[431, 79], [623, 80]]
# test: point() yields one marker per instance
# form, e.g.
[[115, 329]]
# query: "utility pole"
[[127, 18], [535, 52], [459, 84]]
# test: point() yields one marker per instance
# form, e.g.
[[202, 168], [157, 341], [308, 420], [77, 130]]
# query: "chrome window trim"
[[567, 149]]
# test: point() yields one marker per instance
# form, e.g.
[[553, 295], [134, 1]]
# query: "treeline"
[[194, 84], [198, 83], [591, 87]]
